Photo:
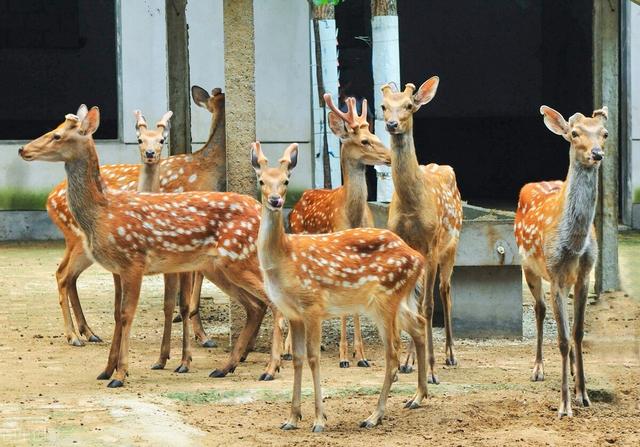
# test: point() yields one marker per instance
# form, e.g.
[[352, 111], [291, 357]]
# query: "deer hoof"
[[265, 377], [364, 363], [344, 364], [317, 428], [432, 378], [208, 343], [368, 424], [181, 369], [406, 369], [451, 361], [94, 339], [412, 405], [216, 373], [104, 376], [177, 319], [115, 383], [76, 342], [288, 426], [287, 357], [157, 366]]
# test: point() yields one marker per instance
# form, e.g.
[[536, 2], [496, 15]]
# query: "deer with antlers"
[[328, 211], [202, 170], [557, 241], [314, 277], [133, 234], [426, 209]]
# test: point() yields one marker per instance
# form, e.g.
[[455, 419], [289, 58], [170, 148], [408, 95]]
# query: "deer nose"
[[149, 154], [597, 154], [276, 201], [392, 125], [20, 150]]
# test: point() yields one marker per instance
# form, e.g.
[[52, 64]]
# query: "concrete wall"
[[634, 12]]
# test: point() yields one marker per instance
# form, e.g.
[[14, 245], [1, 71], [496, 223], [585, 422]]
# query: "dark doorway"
[[498, 62], [55, 56]]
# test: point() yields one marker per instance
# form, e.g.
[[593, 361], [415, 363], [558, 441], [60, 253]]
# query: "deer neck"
[[579, 195], [212, 157], [355, 191], [405, 169], [85, 191], [272, 240], [149, 178]]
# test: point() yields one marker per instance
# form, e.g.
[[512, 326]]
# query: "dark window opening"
[[55, 56]]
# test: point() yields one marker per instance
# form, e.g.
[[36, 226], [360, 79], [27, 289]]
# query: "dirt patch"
[[49, 395]]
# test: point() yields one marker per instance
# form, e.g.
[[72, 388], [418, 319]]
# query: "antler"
[[164, 121], [140, 121], [409, 89], [350, 117]]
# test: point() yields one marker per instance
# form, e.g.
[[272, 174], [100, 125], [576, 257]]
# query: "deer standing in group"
[[426, 209], [202, 170], [314, 277], [328, 211], [556, 237], [134, 234]]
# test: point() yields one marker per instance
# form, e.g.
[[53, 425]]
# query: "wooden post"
[[178, 76], [239, 73], [606, 76]]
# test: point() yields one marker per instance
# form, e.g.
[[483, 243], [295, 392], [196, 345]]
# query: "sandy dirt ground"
[[49, 394]]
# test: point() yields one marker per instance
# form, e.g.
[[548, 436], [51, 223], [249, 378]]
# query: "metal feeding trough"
[[487, 279]]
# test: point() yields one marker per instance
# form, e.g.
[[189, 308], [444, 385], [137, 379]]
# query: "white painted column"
[[329, 51], [385, 61]]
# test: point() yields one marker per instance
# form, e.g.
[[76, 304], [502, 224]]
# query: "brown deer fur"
[[327, 211], [426, 209], [556, 237], [314, 277]]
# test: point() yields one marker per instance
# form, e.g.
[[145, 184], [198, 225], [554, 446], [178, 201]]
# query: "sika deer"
[[426, 210], [134, 234], [203, 170], [328, 211], [556, 237], [314, 277]]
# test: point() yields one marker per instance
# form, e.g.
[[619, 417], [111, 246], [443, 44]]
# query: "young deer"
[[328, 211], [134, 234], [314, 277], [556, 237], [203, 170], [425, 210]]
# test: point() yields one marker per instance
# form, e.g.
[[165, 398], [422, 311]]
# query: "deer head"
[[273, 181], [358, 143], [586, 135], [151, 141], [398, 107], [211, 102], [67, 142]]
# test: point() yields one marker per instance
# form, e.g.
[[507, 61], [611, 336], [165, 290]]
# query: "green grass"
[[636, 195], [22, 199]]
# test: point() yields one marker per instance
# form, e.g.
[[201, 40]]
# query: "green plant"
[[636, 195], [327, 2], [22, 199]]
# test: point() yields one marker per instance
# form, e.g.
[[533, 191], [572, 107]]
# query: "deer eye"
[[383, 107], [261, 182], [574, 134], [605, 135], [365, 142], [162, 141], [409, 106], [286, 182], [56, 136], [139, 141]]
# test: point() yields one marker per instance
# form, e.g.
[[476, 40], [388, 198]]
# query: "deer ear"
[[289, 159], [91, 122], [82, 112], [338, 126], [555, 122], [426, 92], [200, 96], [258, 160]]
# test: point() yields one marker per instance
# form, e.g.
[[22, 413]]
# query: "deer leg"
[[429, 283], [131, 283], [446, 269], [388, 333], [186, 289], [358, 343], [112, 362], [73, 338], [559, 294], [535, 286], [78, 263], [580, 299], [313, 333], [251, 345], [287, 347], [415, 325], [196, 320], [276, 345], [344, 344], [170, 291], [298, 343]]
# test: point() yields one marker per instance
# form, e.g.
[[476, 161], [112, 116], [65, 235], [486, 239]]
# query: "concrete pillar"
[[178, 76], [239, 73], [606, 75]]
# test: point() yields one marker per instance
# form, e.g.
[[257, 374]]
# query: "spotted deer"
[[134, 234], [331, 210], [426, 209], [314, 277], [557, 241], [203, 170]]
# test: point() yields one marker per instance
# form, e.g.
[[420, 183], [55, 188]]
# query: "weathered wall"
[[634, 13]]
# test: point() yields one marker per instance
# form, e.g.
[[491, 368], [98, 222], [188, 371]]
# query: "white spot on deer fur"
[[179, 189], [192, 178], [121, 231], [111, 239]]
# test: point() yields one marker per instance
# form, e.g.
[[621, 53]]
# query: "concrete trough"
[[487, 279]]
